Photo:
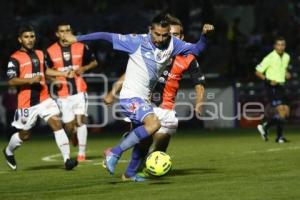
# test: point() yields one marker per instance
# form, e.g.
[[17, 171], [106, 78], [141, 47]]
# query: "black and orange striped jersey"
[[69, 58], [27, 64], [165, 92]]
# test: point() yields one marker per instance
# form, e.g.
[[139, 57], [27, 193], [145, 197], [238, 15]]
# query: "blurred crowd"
[[244, 29]]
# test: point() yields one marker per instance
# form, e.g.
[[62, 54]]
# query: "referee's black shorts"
[[276, 94]]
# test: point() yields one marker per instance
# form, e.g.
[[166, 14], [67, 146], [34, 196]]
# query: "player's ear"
[[182, 37], [56, 33], [150, 28], [20, 40]]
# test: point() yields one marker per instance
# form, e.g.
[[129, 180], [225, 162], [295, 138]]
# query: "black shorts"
[[276, 94]]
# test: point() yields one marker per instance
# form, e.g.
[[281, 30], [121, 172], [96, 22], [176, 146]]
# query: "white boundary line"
[[274, 150], [57, 158]]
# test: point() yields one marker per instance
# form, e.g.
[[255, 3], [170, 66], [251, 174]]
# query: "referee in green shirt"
[[273, 71]]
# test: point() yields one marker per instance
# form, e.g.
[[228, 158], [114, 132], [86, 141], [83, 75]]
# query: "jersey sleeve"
[[127, 43], [264, 65], [88, 55], [185, 48], [196, 73], [12, 68]]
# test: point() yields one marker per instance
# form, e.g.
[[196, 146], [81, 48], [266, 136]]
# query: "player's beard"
[[163, 45]]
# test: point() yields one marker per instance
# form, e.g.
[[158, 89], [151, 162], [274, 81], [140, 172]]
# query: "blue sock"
[[136, 159], [134, 137]]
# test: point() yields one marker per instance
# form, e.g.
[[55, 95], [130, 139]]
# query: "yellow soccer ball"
[[158, 163]]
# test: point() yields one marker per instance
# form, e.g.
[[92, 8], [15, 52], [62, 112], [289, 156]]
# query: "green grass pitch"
[[210, 165]]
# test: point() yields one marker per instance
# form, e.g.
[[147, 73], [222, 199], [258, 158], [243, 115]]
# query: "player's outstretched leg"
[[263, 131], [151, 125], [138, 155]]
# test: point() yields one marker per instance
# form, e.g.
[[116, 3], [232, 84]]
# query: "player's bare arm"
[[199, 98], [67, 74], [263, 77], [25, 81], [110, 97], [87, 67]]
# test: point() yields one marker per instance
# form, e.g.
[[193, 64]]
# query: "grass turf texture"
[[210, 165]]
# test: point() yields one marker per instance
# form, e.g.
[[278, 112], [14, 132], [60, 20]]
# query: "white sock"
[[82, 138], [13, 144], [62, 142]]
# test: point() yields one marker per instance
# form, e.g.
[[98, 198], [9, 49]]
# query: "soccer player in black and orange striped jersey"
[[167, 87], [26, 70], [72, 92]]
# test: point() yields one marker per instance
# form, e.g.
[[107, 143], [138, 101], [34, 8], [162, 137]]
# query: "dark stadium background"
[[244, 34]]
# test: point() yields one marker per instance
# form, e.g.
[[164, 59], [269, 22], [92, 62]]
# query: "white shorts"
[[70, 106], [25, 118], [168, 120]]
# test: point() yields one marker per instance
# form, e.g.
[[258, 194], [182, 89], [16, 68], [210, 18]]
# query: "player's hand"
[[273, 83], [207, 28], [35, 80], [69, 74], [288, 75], [80, 71], [109, 99], [70, 38]]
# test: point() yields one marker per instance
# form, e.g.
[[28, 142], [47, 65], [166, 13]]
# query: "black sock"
[[280, 125]]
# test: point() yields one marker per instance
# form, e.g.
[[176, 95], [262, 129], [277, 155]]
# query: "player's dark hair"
[[161, 20], [279, 38], [62, 23], [175, 21], [25, 28]]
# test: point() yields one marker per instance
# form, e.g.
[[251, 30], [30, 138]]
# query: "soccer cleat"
[[135, 178], [263, 132], [10, 160], [74, 140], [70, 164], [110, 161], [281, 140], [81, 158], [143, 173]]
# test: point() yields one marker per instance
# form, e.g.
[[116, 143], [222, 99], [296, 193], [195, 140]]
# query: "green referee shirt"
[[274, 66]]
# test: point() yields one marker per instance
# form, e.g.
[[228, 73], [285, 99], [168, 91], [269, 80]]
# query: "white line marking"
[[274, 150], [51, 158], [57, 158]]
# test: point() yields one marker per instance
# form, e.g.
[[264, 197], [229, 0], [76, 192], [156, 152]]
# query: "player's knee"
[[152, 123], [281, 115], [281, 111], [55, 123], [81, 120], [155, 123], [24, 135], [70, 128], [287, 111]]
